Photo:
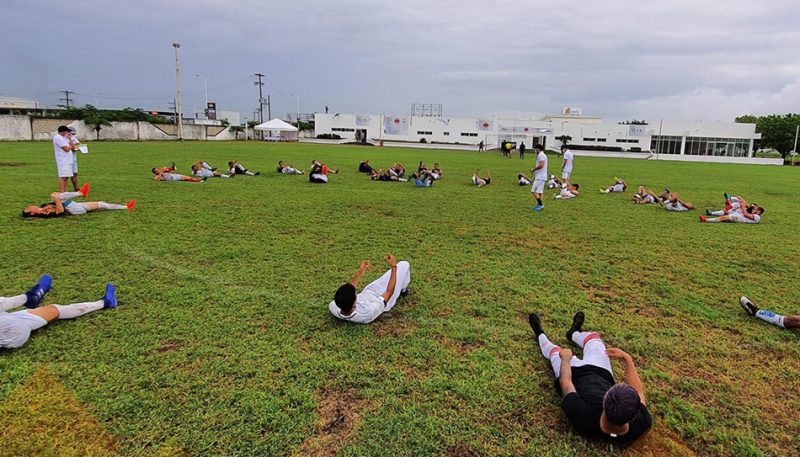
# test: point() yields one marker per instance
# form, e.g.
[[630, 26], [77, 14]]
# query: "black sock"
[[539, 201]]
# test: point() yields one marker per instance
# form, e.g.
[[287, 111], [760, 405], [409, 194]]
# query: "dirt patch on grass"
[[12, 164], [168, 346], [339, 416], [43, 417], [659, 441], [457, 346], [460, 450]]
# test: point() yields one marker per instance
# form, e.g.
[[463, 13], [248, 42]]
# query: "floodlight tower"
[[178, 91]]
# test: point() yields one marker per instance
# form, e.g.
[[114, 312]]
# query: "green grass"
[[223, 343]]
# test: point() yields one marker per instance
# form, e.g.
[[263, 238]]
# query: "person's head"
[[72, 130], [538, 147], [196, 167], [46, 210], [154, 170], [563, 148], [230, 164], [621, 404], [63, 130], [345, 298], [576, 186], [436, 165], [755, 209], [520, 176]]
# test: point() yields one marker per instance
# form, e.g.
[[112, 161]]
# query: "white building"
[[587, 133]]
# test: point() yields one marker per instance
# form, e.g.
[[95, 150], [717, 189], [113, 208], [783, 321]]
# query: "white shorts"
[[402, 281], [203, 173], [669, 206], [170, 177], [16, 328], [67, 168], [436, 176], [618, 188], [538, 187], [567, 194], [739, 218], [76, 209], [566, 174]]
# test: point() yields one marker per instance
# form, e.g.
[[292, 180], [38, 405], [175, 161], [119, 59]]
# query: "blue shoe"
[[538, 207], [37, 292], [110, 298]]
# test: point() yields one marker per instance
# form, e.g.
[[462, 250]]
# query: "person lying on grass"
[[619, 186], [319, 172], [596, 406], [736, 210], [568, 191], [422, 167], [398, 170], [673, 202], [288, 169], [480, 182], [645, 196], [768, 316], [523, 180], [423, 178], [204, 170], [236, 168], [64, 205], [166, 174], [436, 171], [377, 298], [553, 182], [16, 326], [385, 175], [365, 167]]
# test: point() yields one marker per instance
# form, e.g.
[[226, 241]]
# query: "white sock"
[[69, 195], [769, 316], [78, 309], [550, 352], [402, 179], [580, 337], [104, 205], [224, 176], [249, 173], [712, 220], [718, 213], [7, 303]]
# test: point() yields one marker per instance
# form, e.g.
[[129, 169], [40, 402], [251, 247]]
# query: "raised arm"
[[359, 273], [565, 378], [57, 200], [631, 375], [539, 165], [392, 277]]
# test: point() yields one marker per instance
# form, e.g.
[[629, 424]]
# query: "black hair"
[[345, 298], [539, 147], [154, 170], [576, 186], [621, 404]]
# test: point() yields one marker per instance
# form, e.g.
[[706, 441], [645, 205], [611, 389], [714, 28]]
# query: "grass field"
[[223, 345]]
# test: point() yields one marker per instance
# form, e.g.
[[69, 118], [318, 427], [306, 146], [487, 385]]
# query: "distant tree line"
[[777, 130]]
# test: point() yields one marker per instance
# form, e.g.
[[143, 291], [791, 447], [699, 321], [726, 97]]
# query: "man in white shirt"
[[736, 210], [539, 177], [64, 150], [377, 298], [566, 166]]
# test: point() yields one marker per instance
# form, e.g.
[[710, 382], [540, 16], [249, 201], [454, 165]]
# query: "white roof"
[[277, 125]]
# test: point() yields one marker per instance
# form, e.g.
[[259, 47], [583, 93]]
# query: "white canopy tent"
[[278, 130]]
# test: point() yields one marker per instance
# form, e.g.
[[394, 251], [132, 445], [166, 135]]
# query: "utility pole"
[[178, 91], [269, 107], [260, 85], [66, 98]]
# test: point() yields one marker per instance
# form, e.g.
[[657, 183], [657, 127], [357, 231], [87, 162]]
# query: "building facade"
[[659, 137]]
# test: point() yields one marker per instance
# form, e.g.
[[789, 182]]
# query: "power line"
[[66, 98]]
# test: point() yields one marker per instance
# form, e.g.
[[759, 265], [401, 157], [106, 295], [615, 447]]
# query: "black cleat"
[[257, 173], [748, 306], [536, 324], [577, 324], [406, 293]]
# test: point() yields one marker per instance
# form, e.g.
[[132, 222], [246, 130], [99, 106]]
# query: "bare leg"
[[791, 321], [62, 184]]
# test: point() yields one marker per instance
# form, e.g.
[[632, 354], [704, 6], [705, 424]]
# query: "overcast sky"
[[675, 59]]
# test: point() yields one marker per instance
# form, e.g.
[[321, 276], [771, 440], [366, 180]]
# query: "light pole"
[[297, 97], [178, 91], [205, 90], [245, 128]]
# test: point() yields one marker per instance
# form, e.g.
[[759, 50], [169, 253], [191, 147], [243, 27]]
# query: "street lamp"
[[297, 97], [178, 91], [245, 128], [205, 89]]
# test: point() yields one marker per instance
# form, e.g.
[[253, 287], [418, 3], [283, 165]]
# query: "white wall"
[[16, 128]]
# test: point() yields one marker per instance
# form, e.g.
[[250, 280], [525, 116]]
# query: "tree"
[[236, 129], [633, 122], [564, 139], [92, 115], [777, 130]]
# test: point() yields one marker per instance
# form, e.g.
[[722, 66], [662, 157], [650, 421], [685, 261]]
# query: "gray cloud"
[[618, 58]]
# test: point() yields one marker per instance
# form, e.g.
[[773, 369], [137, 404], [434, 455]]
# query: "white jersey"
[[737, 216], [541, 174], [676, 206], [568, 158], [59, 142], [619, 187], [369, 305]]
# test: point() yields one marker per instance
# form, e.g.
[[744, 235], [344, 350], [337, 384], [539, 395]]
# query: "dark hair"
[[576, 186], [154, 170], [539, 147], [621, 404], [757, 207], [563, 146], [345, 298], [63, 128]]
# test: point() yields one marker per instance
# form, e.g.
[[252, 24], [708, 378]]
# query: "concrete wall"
[[22, 128]]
